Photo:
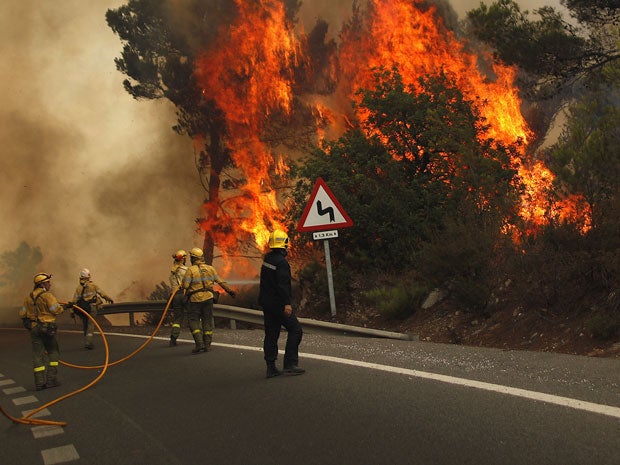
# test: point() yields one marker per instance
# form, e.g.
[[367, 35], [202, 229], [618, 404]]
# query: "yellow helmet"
[[278, 239], [41, 278], [179, 255], [196, 252]]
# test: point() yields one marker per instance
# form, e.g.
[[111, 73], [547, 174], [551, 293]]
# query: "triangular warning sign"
[[323, 211]]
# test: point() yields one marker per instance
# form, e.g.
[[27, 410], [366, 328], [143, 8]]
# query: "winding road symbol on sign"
[[323, 211]]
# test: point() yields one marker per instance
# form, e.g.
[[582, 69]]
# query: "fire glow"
[[249, 73]]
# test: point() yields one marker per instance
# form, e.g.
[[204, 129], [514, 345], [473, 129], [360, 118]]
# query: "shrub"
[[604, 326], [397, 302], [466, 259], [162, 291]]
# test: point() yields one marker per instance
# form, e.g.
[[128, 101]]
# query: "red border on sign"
[[323, 227]]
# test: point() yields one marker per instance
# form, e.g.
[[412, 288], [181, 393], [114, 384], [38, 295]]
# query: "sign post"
[[323, 215], [330, 278]]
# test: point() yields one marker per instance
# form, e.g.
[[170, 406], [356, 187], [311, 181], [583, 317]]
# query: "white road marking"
[[507, 390], [14, 390], [6, 382], [25, 400], [511, 391], [43, 413], [60, 454], [43, 431]]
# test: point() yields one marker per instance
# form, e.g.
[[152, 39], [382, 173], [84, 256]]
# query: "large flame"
[[249, 74], [403, 33]]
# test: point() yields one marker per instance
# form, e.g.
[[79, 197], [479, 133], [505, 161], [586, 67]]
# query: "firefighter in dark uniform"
[[39, 316], [198, 285], [275, 300], [178, 301]]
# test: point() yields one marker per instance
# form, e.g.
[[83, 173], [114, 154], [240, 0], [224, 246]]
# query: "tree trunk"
[[218, 160]]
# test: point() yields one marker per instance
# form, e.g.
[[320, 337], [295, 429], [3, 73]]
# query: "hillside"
[[509, 328]]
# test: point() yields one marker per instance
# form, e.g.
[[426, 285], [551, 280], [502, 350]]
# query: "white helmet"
[[85, 274]]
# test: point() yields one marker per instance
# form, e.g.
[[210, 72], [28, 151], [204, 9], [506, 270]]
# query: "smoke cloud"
[[91, 177]]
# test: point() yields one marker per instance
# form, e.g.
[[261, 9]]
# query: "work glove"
[[110, 301], [231, 293], [27, 322], [68, 306]]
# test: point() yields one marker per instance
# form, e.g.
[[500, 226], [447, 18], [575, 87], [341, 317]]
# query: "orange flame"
[[249, 73], [401, 33]]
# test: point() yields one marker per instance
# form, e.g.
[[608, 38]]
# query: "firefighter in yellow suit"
[[177, 271], [88, 296], [39, 316], [198, 289]]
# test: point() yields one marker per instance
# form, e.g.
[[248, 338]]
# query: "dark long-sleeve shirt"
[[275, 281]]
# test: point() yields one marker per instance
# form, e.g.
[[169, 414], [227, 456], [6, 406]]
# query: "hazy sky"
[[89, 175]]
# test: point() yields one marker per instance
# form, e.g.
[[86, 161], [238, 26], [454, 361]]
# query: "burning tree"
[[226, 80], [416, 160], [244, 80]]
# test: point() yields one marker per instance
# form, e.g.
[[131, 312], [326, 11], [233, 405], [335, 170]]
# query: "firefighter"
[[275, 300], [89, 297], [198, 289], [39, 316], [178, 301]]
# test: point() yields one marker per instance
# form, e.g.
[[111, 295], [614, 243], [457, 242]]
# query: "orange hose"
[[90, 367], [27, 420]]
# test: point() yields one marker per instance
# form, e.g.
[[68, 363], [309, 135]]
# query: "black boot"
[[272, 371], [51, 383], [199, 344], [293, 370], [40, 380], [173, 341]]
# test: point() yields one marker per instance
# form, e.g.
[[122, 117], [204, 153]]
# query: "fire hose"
[[28, 420]]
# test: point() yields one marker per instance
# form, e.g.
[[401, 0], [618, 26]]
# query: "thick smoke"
[[92, 178]]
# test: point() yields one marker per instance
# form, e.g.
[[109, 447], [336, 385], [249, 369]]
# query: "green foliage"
[[586, 268], [315, 290], [567, 272], [552, 51], [162, 291], [604, 326], [415, 162], [19, 266], [465, 257], [159, 58], [586, 158], [594, 12], [398, 302]]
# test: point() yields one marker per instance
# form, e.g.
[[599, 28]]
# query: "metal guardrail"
[[247, 315]]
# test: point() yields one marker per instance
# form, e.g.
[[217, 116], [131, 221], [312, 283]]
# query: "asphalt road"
[[362, 401]]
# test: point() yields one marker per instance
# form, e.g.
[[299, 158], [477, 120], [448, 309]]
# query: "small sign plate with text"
[[324, 235]]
